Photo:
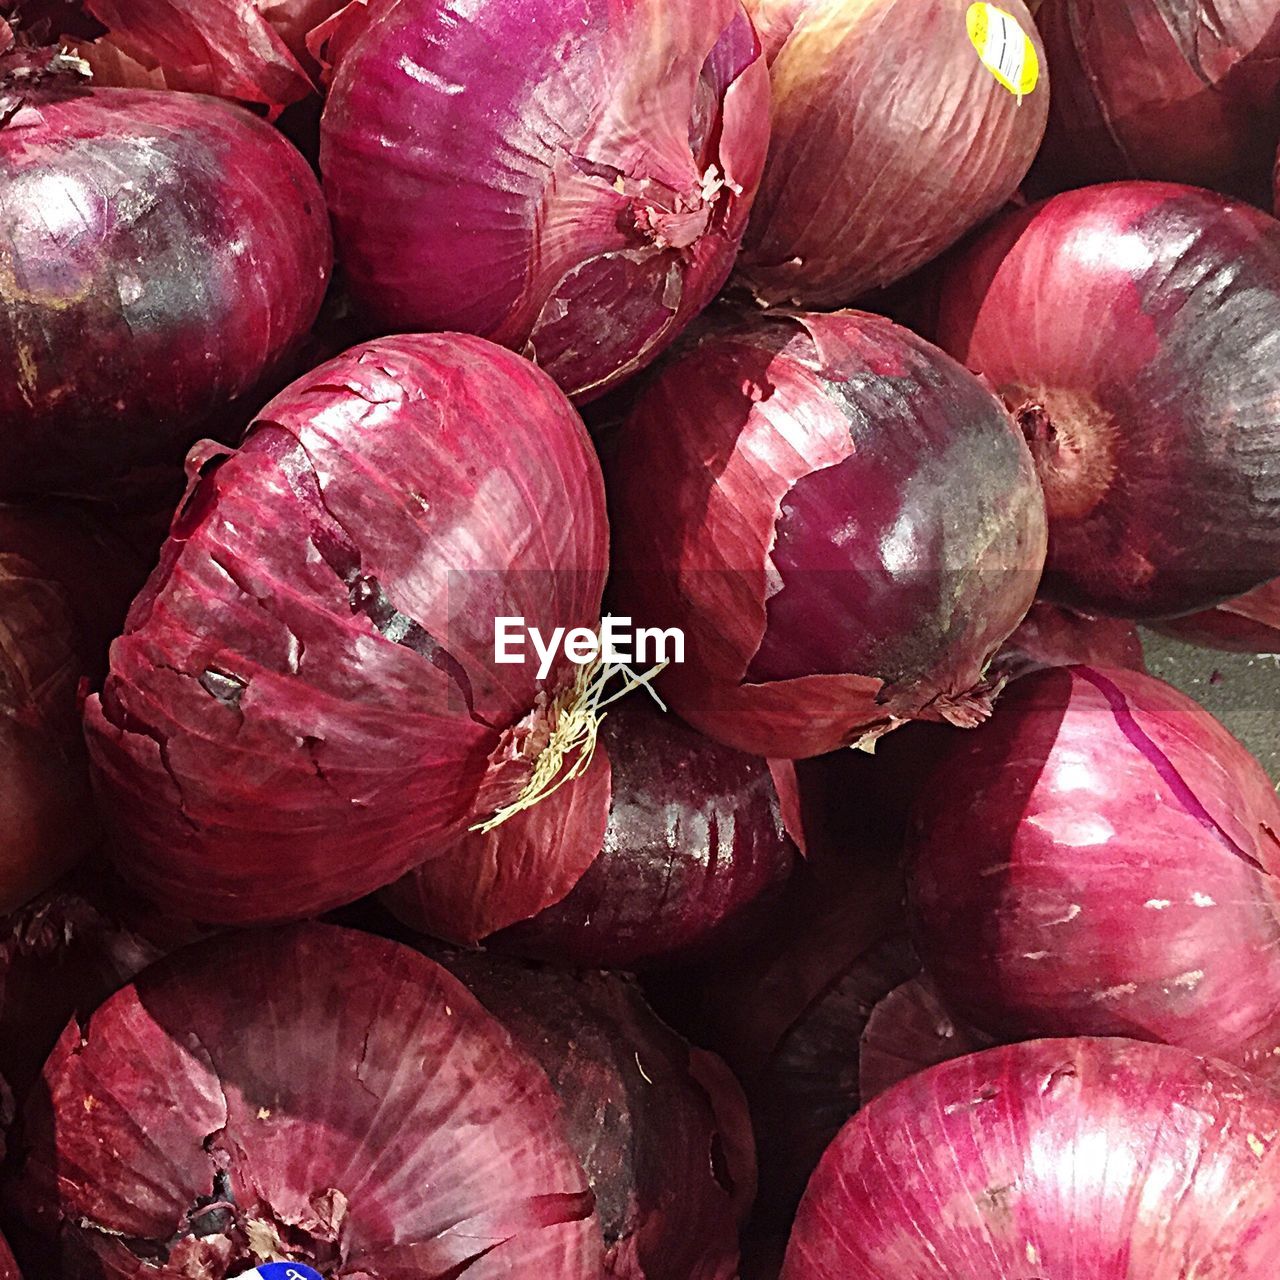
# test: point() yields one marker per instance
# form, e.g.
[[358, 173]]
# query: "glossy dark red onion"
[[310, 1093], [180, 253], [305, 702], [1128, 326], [847, 529], [1059, 1158], [661, 1129], [891, 139], [571, 178], [1103, 858]]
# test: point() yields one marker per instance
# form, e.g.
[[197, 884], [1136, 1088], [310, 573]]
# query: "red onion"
[[1128, 326], [892, 137], [662, 1130], [570, 179], [1050, 636], [313, 1094], [667, 847], [847, 530], [907, 1031], [1184, 90], [181, 251], [1248, 624], [8, 1267], [305, 702], [1098, 1158], [1102, 859]]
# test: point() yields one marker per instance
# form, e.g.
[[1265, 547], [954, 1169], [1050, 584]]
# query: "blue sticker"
[[281, 1271]]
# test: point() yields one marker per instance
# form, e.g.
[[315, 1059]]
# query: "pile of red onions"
[[661, 1130], [1102, 858], [1131, 329], [1248, 624], [892, 137], [1058, 1158], [311, 1094], [1184, 90], [570, 178], [847, 529], [305, 702], [164, 254], [667, 848]]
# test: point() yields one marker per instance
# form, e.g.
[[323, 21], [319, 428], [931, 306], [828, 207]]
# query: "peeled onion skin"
[[890, 140], [1178, 90], [1248, 624], [304, 703], [557, 184], [1050, 636], [309, 1093], [1131, 328], [666, 1146], [848, 529], [181, 252], [1103, 859], [1079, 1159], [685, 852]]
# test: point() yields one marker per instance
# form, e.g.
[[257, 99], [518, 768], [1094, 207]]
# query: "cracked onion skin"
[[661, 1128], [1248, 624], [304, 703], [161, 255], [682, 848], [1087, 1159], [848, 528], [1103, 858], [544, 172], [1132, 328], [890, 140], [1178, 90], [311, 1093]]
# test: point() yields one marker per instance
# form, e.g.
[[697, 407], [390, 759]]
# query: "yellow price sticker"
[[1004, 48]]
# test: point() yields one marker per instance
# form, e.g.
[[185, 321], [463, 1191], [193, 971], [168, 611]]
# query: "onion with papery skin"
[[1050, 636], [1181, 90], [891, 139], [1134, 329], [847, 530], [312, 1094], [1067, 1159], [570, 178], [668, 848], [1103, 858], [1248, 624], [661, 1130], [161, 255], [305, 702]]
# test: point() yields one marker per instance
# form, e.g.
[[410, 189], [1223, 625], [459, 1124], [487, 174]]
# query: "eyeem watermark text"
[[617, 643]]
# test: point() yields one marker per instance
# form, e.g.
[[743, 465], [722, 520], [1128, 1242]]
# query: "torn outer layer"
[[664, 849], [1051, 636], [305, 701], [849, 527], [997, 1171], [1248, 624], [571, 178], [313, 1094], [1103, 859]]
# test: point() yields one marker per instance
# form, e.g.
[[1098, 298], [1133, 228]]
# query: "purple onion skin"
[[848, 529], [890, 141], [1130, 327], [1073, 1159], [693, 854], [182, 249], [1051, 636], [1178, 90], [635, 1109], [304, 703], [1102, 859], [1248, 624], [313, 1093], [548, 185]]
